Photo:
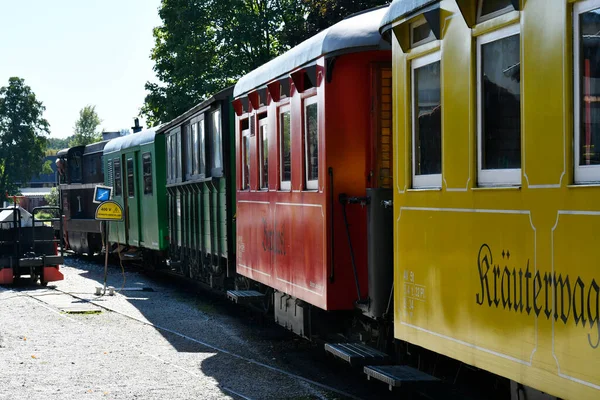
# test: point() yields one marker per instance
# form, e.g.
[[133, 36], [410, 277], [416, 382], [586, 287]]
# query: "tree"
[[52, 198], [205, 45], [85, 130], [58, 144], [22, 135]]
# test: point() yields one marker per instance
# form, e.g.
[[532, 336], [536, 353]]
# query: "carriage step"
[[357, 353], [396, 375], [244, 296]]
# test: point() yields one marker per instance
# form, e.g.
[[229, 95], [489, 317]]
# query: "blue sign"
[[102, 194]]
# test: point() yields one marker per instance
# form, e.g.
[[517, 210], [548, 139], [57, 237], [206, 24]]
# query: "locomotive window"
[[420, 32], [488, 9], [263, 148], [245, 156], [587, 90], [117, 176], [499, 107], [215, 120], [147, 167], [130, 180], [75, 167], [427, 122], [285, 148], [311, 143]]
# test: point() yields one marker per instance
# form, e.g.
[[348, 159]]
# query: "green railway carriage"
[[200, 198], [134, 167]]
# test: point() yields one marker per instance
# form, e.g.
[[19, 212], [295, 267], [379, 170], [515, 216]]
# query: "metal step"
[[357, 354], [244, 296], [396, 375]]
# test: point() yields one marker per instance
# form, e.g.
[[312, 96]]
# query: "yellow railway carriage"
[[497, 186]]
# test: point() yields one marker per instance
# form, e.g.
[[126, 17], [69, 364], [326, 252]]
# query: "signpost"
[[108, 210]]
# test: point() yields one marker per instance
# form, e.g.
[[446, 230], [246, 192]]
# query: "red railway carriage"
[[312, 136]]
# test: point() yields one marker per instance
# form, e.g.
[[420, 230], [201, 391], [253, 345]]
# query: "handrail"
[[17, 225]]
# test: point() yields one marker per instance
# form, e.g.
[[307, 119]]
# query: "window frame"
[[144, 175], [582, 174], [417, 23], [261, 152], [482, 18], [117, 168], [430, 180], [284, 185], [496, 177], [245, 133], [312, 184], [130, 185], [216, 137]]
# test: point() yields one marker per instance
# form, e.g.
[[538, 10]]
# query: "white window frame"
[[284, 185], [483, 18], [420, 21], [494, 177], [583, 173], [314, 183], [431, 180], [261, 152]]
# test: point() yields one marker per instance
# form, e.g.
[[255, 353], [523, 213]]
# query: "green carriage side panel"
[[205, 200], [131, 195], [113, 166], [159, 232], [222, 216]]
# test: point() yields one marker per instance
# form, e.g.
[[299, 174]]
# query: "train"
[[416, 186]]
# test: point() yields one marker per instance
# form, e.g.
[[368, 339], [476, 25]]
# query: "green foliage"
[[59, 143], [47, 168], [86, 127], [205, 45], [22, 135], [52, 198]]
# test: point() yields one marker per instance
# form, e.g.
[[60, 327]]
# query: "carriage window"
[[189, 156], [285, 148], [587, 90], [178, 163], [420, 32], [488, 9], [147, 167], [130, 180], [499, 107], [169, 158], [117, 176], [245, 155], [201, 144], [311, 143], [263, 148], [215, 119], [194, 128], [427, 122]]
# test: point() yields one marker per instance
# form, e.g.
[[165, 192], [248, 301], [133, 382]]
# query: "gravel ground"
[[168, 343]]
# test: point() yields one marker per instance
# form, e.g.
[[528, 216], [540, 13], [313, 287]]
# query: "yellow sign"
[[109, 211]]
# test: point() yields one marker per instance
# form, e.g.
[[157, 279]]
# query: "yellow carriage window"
[[285, 148], [263, 149], [311, 142], [420, 32], [427, 126], [488, 9], [499, 107], [587, 91]]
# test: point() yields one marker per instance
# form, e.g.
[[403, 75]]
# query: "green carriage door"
[[132, 197]]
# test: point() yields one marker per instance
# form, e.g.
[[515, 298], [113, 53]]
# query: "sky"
[[74, 53]]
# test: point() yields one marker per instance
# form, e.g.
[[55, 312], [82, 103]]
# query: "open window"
[[499, 107], [311, 142], [285, 148], [263, 151], [427, 122], [586, 24]]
